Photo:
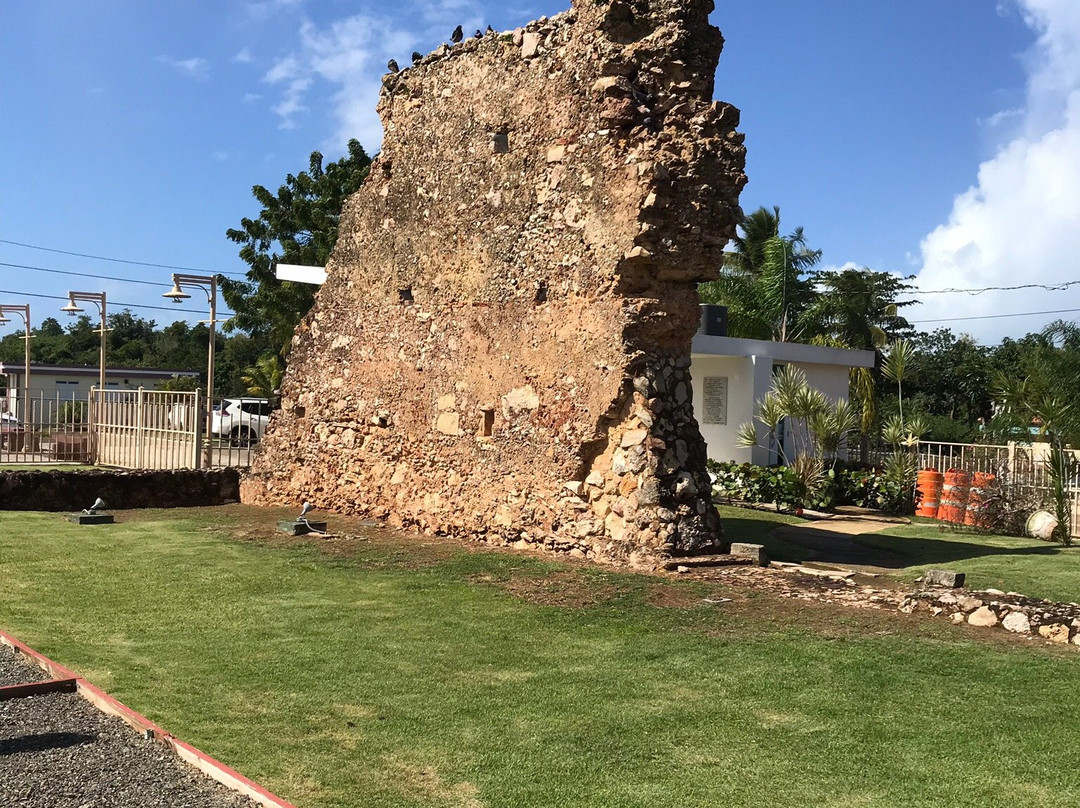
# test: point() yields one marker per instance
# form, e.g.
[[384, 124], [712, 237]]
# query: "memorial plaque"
[[715, 400]]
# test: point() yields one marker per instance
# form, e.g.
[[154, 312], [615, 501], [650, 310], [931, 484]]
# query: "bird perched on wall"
[[98, 505], [416, 56], [392, 66], [479, 34], [490, 30], [456, 36], [304, 511]]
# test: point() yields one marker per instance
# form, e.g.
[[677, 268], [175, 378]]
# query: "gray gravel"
[[59, 751], [15, 670]]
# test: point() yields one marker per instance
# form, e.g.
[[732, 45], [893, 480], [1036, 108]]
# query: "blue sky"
[[927, 137]]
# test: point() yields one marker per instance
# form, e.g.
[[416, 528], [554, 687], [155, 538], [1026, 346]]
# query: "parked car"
[[9, 421], [241, 420]]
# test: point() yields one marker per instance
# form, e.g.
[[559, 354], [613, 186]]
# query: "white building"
[[730, 375]]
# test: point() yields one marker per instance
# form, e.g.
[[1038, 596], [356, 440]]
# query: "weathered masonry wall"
[[502, 345]]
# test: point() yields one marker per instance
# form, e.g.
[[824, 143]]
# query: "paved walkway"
[[832, 542]]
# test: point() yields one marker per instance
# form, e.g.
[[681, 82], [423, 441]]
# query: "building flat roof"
[[706, 345], [37, 368]]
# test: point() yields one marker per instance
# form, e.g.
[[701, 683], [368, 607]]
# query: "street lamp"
[[98, 299], [208, 284], [24, 312]]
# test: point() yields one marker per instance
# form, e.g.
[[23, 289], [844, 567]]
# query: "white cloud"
[[1019, 224], [196, 68], [349, 56], [244, 57]]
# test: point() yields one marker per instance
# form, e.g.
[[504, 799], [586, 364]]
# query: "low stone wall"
[[75, 490], [1056, 622]]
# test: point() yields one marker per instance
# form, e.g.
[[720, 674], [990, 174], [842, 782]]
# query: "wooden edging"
[[64, 678], [22, 691]]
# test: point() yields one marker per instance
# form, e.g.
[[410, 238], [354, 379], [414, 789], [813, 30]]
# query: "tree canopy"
[[297, 225]]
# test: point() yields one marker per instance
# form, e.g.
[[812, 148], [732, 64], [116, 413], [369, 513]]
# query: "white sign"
[[299, 274], [715, 409]]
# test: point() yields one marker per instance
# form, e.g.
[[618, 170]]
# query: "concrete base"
[[299, 527], [91, 518]]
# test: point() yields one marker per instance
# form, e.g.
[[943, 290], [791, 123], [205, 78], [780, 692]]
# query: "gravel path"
[[59, 751], [15, 670]]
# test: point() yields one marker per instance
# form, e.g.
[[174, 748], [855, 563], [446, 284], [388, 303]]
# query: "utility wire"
[[996, 316], [82, 274], [174, 308], [116, 260], [1049, 287]]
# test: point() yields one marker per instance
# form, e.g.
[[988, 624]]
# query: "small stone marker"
[[91, 518], [946, 578], [753, 552], [300, 527]]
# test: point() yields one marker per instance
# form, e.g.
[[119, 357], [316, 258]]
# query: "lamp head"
[[4, 320], [71, 308], [176, 294]]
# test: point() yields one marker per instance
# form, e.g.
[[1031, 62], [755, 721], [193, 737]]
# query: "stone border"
[[1054, 622], [59, 491]]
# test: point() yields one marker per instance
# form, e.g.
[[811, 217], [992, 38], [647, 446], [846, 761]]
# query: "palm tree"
[[263, 379], [763, 281], [858, 308]]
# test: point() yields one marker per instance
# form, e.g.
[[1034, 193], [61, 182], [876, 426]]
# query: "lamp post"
[[24, 312], [98, 299], [208, 284]]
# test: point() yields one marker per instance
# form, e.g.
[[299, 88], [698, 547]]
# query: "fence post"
[[92, 417], [140, 428], [196, 457]]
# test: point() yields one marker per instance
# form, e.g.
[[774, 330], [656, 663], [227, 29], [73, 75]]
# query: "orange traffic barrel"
[[954, 496], [976, 514], [928, 493]]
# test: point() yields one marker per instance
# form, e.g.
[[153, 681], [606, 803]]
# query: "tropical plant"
[[263, 379], [763, 281], [826, 426]]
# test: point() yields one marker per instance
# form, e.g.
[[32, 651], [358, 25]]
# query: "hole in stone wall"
[[500, 143], [487, 423], [542, 293], [405, 295]]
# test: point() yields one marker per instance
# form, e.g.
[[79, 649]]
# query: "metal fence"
[[131, 429]]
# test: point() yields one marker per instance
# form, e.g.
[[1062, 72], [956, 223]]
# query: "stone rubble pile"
[[1051, 621]]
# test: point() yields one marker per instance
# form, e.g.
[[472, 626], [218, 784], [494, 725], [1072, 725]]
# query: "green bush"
[[870, 488], [777, 485]]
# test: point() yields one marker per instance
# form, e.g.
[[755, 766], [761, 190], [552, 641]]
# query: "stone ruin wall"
[[502, 345]]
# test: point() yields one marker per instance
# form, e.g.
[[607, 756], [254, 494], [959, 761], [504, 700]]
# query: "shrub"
[[777, 485]]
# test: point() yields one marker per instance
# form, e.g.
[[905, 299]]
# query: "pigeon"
[[490, 30], [457, 35], [479, 34], [99, 503], [416, 56], [392, 66], [308, 508]]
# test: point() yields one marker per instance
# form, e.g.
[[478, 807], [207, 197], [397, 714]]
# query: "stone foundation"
[[502, 346], [75, 490]]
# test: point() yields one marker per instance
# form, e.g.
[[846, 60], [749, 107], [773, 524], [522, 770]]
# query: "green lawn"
[[403, 671]]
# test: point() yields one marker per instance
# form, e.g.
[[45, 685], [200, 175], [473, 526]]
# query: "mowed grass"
[[1010, 563], [394, 670]]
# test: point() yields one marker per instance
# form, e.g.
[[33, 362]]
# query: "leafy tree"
[[763, 281], [298, 225], [953, 383]]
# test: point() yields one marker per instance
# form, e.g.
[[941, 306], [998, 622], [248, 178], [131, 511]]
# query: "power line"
[[997, 316], [116, 260], [1049, 287], [82, 274], [173, 308]]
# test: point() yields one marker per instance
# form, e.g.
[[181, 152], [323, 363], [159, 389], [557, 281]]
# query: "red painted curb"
[[185, 751]]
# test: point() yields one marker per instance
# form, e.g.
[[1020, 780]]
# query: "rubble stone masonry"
[[502, 346]]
